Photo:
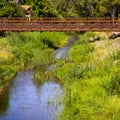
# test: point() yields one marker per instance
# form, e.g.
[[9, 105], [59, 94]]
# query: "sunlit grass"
[[24, 50], [91, 80]]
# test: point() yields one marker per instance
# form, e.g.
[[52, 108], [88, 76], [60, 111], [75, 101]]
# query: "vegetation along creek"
[[27, 99], [45, 77]]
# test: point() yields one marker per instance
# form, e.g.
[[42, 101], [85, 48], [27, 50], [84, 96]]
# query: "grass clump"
[[42, 75], [113, 86], [91, 84], [7, 72], [24, 50]]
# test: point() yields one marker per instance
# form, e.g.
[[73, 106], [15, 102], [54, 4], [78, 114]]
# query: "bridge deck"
[[59, 25]]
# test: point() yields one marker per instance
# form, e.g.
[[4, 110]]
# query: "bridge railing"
[[56, 24], [55, 18]]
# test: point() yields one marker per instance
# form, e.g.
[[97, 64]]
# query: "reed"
[[25, 50], [91, 85]]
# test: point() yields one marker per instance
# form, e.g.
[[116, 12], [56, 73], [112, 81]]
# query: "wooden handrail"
[[55, 24]]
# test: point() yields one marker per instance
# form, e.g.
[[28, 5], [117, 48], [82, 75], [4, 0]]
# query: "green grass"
[[90, 78], [91, 85], [24, 50], [7, 72]]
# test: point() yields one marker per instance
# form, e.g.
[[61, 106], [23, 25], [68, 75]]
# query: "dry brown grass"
[[105, 47]]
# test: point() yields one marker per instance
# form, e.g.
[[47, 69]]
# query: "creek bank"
[[27, 97], [45, 73], [27, 100], [91, 79], [114, 35], [26, 49]]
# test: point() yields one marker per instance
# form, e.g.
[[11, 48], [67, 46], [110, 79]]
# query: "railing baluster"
[[50, 24]]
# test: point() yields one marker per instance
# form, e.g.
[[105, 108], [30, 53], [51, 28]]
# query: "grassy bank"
[[91, 79], [26, 50]]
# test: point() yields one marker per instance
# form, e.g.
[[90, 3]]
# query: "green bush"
[[35, 47], [79, 53], [7, 72], [113, 85], [115, 55], [10, 10]]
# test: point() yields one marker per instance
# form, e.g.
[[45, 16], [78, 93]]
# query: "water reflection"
[[4, 102], [62, 52], [28, 102], [33, 101]]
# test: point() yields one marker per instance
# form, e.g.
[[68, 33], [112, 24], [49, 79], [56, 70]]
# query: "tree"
[[110, 7], [10, 10], [67, 8], [87, 8], [27, 2], [19, 12], [6, 9], [81, 8], [43, 8]]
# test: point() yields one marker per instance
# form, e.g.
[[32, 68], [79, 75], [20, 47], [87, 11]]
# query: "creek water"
[[25, 100]]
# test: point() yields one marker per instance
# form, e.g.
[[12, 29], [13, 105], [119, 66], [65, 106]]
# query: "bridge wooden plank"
[[84, 24]]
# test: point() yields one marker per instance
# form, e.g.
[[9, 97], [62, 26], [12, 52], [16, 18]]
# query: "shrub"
[[115, 55], [113, 85]]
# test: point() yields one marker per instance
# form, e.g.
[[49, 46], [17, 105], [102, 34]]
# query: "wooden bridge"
[[54, 24]]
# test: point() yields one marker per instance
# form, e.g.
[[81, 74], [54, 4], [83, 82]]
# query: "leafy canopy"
[[10, 10]]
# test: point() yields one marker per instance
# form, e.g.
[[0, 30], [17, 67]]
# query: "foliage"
[[10, 10], [87, 8], [43, 8], [64, 8], [110, 6], [91, 85], [115, 55], [25, 50], [81, 49], [49, 39], [35, 47], [7, 72], [42, 75], [27, 2], [113, 86]]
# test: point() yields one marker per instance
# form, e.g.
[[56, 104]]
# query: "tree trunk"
[[113, 13]]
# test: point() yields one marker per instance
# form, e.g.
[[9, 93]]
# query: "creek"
[[24, 100]]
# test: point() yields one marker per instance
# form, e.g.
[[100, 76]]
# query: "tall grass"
[[91, 85], [27, 50]]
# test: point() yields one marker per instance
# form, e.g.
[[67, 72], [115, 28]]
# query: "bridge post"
[[98, 24], [109, 25], [58, 26], [78, 27], [89, 24], [0, 25], [49, 26], [68, 28]]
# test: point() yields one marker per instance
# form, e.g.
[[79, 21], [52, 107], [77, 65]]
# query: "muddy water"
[[26, 101]]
